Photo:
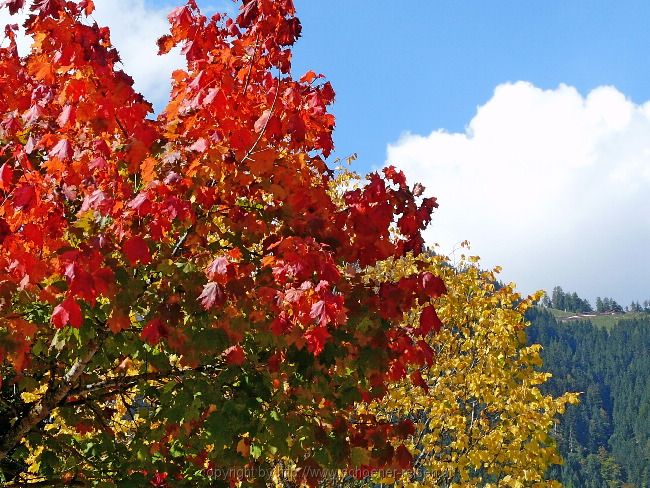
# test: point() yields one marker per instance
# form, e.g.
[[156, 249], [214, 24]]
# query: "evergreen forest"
[[605, 439]]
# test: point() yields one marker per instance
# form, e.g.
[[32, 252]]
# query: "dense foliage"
[[479, 416], [605, 440], [188, 295]]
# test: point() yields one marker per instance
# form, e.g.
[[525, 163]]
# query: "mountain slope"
[[606, 439]]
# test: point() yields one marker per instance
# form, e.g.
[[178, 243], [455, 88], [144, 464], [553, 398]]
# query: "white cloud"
[[552, 185], [135, 28], [18, 19]]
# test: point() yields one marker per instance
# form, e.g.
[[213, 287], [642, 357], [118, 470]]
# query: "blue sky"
[[429, 63]]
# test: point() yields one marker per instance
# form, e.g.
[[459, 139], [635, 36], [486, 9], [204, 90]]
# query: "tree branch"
[[259, 138], [128, 381], [181, 241], [51, 400]]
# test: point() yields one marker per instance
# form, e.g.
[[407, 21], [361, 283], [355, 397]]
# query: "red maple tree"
[[186, 292]]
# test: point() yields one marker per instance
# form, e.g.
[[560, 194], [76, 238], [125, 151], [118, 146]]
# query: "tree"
[[477, 414], [188, 295], [569, 302], [616, 307], [558, 298]]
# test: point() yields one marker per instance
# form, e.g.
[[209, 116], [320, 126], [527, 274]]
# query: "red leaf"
[[319, 311], [74, 311], [432, 285], [261, 123], [62, 150], [118, 322], [289, 32], [405, 428], [281, 325], [81, 282], [396, 371], [217, 268], [141, 204], [403, 457], [316, 339], [6, 176], [154, 331], [417, 380], [104, 280], [247, 13], [217, 98], [235, 355], [83, 428], [429, 320], [67, 312], [159, 480], [200, 145], [5, 230], [427, 352], [66, 117], [97, 163], [88, 6], [395, 175], [181, 16], [97, 200], [212, 295], [329, 308], [296, 127], [137, 251], [48, 7], [14, 5], [24, 196]]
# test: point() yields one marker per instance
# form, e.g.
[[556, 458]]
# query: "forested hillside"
[[605, 440]]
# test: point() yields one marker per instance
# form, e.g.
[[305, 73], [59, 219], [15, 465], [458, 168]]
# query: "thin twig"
[[250, 66], [266, 123], [181, 241]]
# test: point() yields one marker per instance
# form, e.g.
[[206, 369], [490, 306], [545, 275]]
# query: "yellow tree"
[[479, 416]]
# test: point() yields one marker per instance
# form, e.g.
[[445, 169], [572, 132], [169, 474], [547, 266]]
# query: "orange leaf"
[[118, 322], [262, 162], [148, 170]]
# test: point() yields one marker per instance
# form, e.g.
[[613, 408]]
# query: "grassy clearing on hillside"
[[606, 321]]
